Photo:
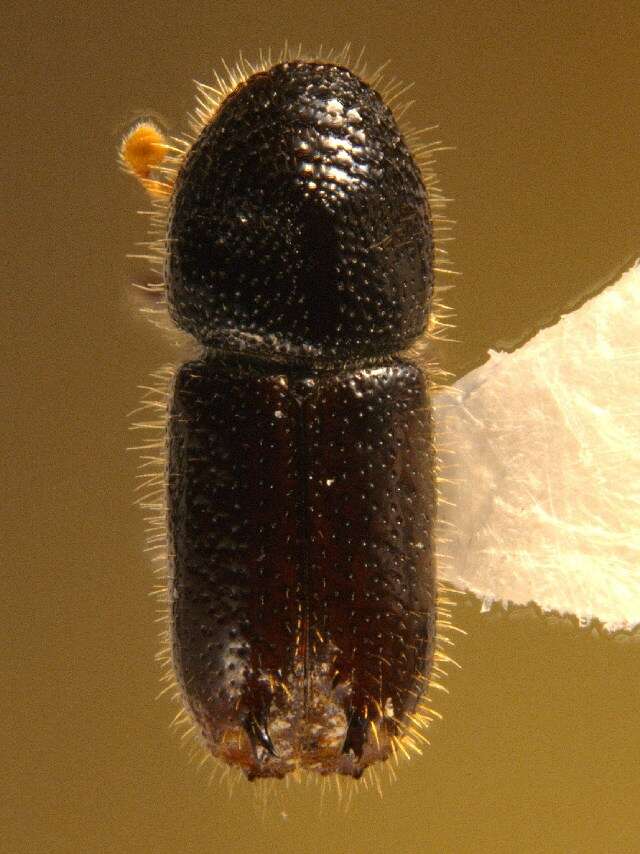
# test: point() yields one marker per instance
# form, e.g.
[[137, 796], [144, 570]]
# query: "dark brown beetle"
[[301, 496]]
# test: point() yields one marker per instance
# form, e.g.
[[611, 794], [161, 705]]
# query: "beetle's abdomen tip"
[[322, 739]]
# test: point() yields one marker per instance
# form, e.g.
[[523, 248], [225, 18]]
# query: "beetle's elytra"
[[303, 580], [301, 497]]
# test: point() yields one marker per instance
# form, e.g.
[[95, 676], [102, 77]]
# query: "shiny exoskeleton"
[[301, 497]]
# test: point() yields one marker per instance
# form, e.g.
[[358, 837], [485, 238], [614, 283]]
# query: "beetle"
[[296, 234]]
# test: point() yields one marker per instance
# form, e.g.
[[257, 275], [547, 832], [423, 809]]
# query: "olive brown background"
[[539, 749]]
